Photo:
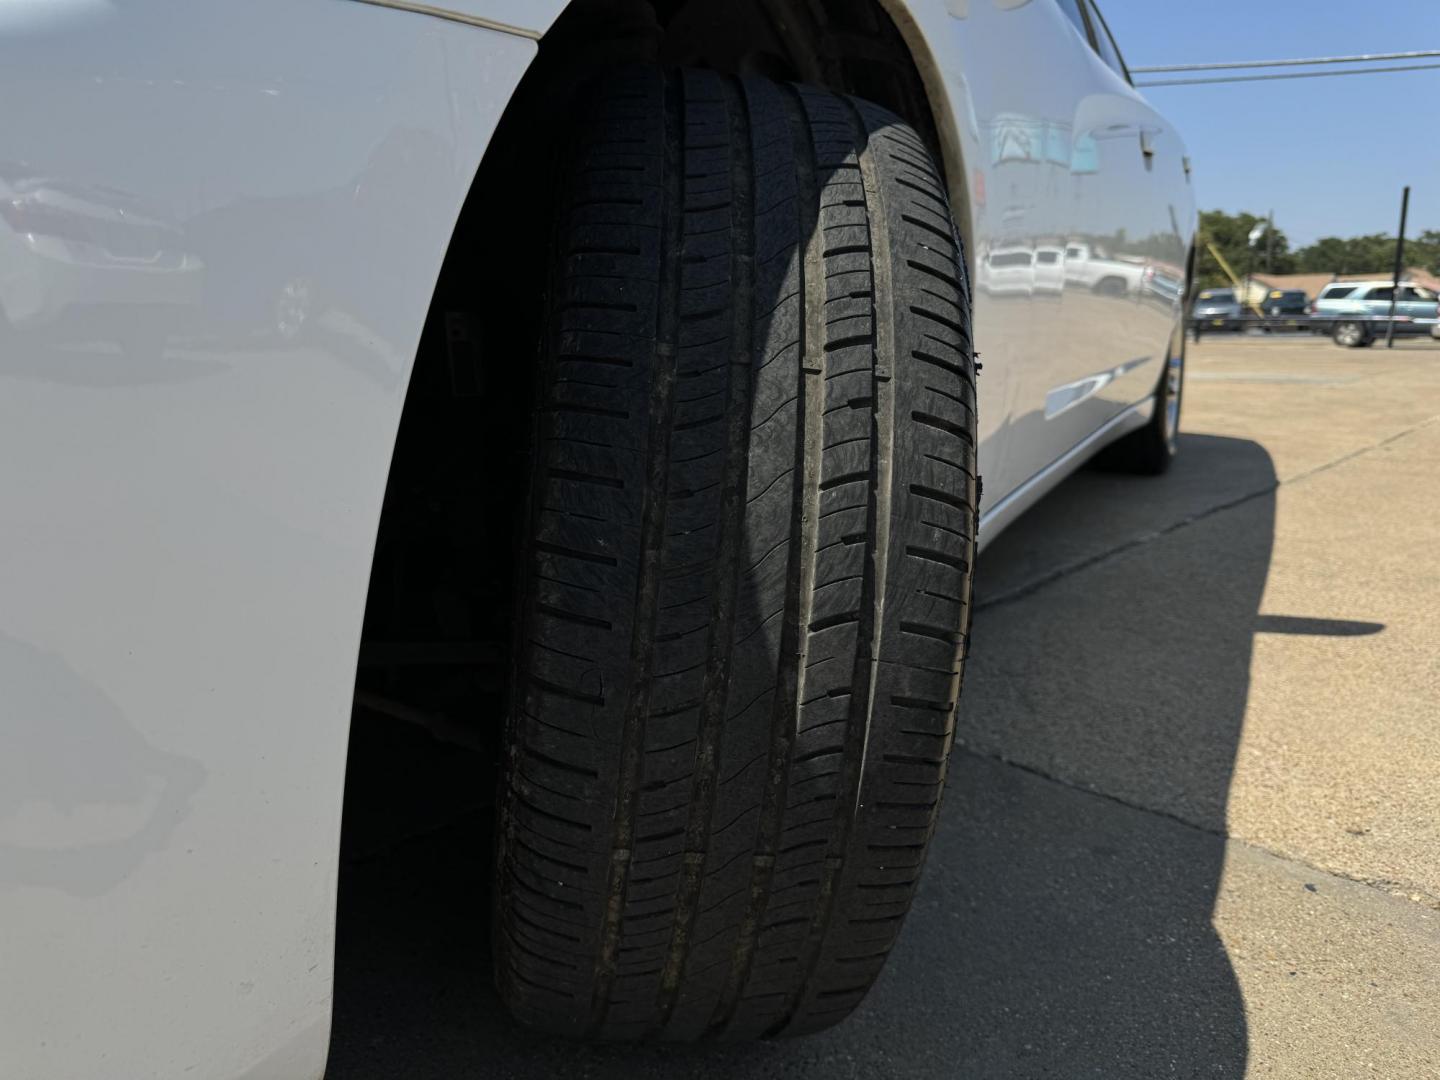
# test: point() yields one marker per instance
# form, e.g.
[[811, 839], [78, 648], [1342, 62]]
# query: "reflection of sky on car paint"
[[1025, 138], [1038, 142]]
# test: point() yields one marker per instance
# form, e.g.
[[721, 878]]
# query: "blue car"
[[1355, 313]]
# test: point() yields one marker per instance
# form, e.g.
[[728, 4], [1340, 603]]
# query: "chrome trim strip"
[[454, 16], [1016, 500], [1064, 398]]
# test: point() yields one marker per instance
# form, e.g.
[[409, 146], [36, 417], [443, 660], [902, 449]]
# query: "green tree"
[[1372, 254], [1230, 234], [1351, 255], [1424, 251]]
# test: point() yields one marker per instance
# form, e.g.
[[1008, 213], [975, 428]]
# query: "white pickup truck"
[[1088, 267]]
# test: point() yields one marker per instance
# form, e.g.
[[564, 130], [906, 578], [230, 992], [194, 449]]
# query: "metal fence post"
[[1399, 266]]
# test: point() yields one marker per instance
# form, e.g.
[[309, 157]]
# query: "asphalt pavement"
[[1192, 827]]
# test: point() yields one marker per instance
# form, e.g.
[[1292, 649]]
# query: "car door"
[[1078, 160], [1416, 302], [1377, 305], [1412, 303], [1332, 301]]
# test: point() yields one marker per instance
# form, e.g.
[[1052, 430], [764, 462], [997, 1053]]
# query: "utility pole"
[[1251, 238], [1270, 243], [1399, 267]]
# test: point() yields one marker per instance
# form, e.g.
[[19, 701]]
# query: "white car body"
[[188, 535]]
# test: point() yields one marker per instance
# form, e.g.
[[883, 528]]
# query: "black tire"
[[748, 574], [1150, 450]]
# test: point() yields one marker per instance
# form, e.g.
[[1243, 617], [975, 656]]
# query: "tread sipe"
[[748, 567]]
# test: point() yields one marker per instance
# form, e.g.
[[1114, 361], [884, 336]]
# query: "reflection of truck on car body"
[[1164, 283], [1089, 267], [1007, 271], [1049, 269]]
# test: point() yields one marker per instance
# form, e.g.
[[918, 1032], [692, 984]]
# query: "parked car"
[[1163, 284], [657, 387], [1216, 309], [1285, 309], [1286, 302], [1355, 313], [80, 261]]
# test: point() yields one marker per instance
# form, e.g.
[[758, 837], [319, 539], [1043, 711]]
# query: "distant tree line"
[[1330, 254]]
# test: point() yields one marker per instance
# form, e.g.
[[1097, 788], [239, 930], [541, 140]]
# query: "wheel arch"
[[875, 49], [488, 300], [943, 120]]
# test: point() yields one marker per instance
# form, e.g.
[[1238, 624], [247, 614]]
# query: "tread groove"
[[872, 591], [800, 571], [939, 423], [730, 556], [652, 534]]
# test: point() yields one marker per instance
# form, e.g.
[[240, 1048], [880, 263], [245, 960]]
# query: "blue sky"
[[1329, 156]]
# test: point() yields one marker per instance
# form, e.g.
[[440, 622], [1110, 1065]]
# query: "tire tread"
[[747, 580]]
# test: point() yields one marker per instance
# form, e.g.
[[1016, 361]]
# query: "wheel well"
[[438, 616], [854, 46]]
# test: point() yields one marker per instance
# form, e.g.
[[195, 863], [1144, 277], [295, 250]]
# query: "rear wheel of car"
[[748, 569], [1351, 334], [1150, 450]]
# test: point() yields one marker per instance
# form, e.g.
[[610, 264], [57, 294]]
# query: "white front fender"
[[190, 483]]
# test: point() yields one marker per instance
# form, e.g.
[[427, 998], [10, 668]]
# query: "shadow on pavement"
[[1063, 925]]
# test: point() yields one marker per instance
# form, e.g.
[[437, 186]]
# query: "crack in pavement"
[[1397, 890], [1029, 588]]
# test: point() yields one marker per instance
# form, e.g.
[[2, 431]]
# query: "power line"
[[1360, 59], [1287, 75]]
